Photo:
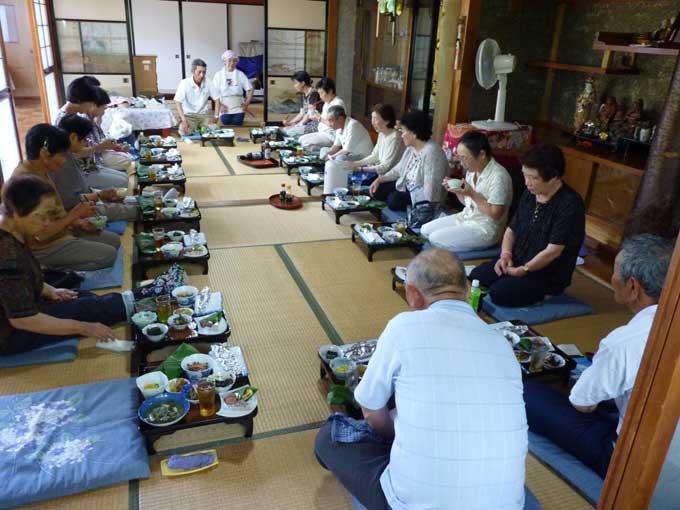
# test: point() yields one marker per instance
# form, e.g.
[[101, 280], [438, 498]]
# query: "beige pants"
[[195, 120]]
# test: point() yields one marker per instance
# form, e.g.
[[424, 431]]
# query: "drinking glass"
[[538, 354], [400, 227], [163, 308], [206, 397], [356, 188], [158, 236]]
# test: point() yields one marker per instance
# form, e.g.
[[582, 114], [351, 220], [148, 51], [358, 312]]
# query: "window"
[[93, 47], [8, 22], [44, 41]]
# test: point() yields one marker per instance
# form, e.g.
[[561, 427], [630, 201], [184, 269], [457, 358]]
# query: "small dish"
[[198, 366], [217, 328], [392, 236], [342, 367], [176, 236], [171, 251], [155, 332], [400, 272], [184, 311], [163, 410], [523, 356], [143, 319], [329, 352], [511, 337], [179, 322], [223, 380], [553, 361], [230, 409], [170, 212], [185, 294], [363, 199], [340, 192], [189, 392], [152, 383], [176, 385], [196, 251], [170, 202]]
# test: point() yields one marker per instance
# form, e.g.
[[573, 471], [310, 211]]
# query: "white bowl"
[[194, 375], [221, 379], [455, 183], [172, 251], [185, 295], [341, 192], [172, 322], [155, 338], [176, 236], [170, 202], [158, 378], [142, 319], [170, 385], [170, 212]]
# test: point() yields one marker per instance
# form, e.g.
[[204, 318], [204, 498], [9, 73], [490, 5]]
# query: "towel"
[[192, 461], [348, 430]]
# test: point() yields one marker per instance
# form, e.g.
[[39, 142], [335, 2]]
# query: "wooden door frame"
[[653, 410], [37, 56], [11, 100]]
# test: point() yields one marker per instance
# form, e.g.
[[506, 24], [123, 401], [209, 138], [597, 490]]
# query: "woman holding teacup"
[[486, 194]]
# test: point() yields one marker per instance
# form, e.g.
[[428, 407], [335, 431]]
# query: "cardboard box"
[[146, 79]]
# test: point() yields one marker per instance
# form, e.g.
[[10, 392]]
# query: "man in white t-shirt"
[[325, 134], [192, 97], [228, 87], [581, 425], [458, 436]]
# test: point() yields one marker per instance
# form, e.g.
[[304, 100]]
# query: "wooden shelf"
[[605, 157], [603, 231], [384, 87], [548, 64], [647, 50]]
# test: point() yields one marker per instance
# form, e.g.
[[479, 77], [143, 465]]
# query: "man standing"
[[228, 87], [192, 98], [458, 438], [580, 425]]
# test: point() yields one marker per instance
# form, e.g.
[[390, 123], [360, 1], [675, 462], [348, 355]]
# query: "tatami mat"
[[240, 148], [207, 190], [264, 224], [115, 497], [356, 295], [553, 492], [277, 473]]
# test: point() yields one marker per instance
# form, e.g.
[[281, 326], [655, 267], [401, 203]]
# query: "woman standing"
[[418, 175], [228, 86], [486, 194]]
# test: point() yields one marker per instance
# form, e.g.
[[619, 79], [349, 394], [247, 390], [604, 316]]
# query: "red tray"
[[275, 200]]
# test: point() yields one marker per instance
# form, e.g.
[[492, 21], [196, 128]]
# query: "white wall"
[[108, 10], [297, 14], [246, 23], [20, 55]]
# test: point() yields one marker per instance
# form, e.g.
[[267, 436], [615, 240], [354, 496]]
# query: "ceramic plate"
[[222, 326], [196, 251], [237, 411], [400, 272], [553, 361], [189, 214]]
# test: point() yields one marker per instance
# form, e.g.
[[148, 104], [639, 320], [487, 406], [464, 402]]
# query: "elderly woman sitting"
[[352, 142], [486, 194], [542, 241], [418, 175], [33, 313], [389, 148]]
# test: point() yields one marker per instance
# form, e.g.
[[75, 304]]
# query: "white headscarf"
[[227, 55]]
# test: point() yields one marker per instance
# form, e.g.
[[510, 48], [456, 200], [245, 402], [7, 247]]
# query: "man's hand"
[[96, 330], [502, 265], [109, 195], [184, 126], [83, 210], [61, 295], [374, 186]]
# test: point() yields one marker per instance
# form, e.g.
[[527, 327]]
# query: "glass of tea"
[[158, 236], [163, 308], [206, 397]]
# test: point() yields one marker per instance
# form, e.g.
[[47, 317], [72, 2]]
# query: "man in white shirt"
[[579, 425], [192, 98], [228, 86], [325, 134], [352, 142], [458, 438]]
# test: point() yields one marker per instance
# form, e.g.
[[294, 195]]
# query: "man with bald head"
[[457, 438]]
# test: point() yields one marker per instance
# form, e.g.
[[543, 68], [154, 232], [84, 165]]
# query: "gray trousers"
[[102, 178], [358, 466], [117, 211], [88, 252]]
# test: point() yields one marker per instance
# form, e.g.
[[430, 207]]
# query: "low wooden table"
[[148, 222], [310, 184], [227, 140], [339, 213], [141, 262], [313, 162], [373, 248]]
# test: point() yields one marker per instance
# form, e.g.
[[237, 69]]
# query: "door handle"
[[176, 56], [188, 56]]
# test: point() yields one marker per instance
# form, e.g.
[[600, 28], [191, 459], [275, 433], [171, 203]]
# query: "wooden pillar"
[[660, 185], [332, 38], [464, 78], [449, 12]]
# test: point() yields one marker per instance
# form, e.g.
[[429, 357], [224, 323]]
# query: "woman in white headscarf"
[[228, 87]]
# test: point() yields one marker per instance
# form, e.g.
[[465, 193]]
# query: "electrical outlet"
[[126, 80]]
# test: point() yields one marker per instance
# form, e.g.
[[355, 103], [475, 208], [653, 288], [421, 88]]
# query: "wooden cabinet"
[[146, 79], [608, 186]]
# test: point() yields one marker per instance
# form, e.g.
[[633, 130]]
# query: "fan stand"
[[498, 124]]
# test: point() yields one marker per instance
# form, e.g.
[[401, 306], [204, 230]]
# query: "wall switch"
[[126, 80]]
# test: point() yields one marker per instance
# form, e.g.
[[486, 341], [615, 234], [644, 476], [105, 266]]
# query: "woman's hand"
[[466, 190], [108, 195], [517, 272], [503, 265], [96, 330], [107, 145], [83, 210], [374, 186], [59, 295], [86, 226]]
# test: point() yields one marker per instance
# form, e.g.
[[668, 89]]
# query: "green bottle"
[[475, 295]]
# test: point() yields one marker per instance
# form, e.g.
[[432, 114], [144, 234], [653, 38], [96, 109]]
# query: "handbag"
[[420, 213]]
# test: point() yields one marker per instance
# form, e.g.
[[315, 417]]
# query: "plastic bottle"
[[282, 193], [475, 295]]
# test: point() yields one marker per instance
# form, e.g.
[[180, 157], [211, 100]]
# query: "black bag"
[[420, 213]]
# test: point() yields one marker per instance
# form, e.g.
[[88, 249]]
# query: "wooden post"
[[464, 78], [554, 51], [449, 12], [332, 38]]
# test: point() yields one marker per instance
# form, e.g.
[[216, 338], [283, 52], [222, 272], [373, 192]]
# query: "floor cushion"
[[56, 352], [105, 278], [576, 473], [552, 309], [68, 440], [117, 227], [488, 253]]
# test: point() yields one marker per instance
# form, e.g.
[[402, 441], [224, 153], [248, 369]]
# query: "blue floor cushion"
[[68, 440], [117, 227], [488, 253], [586, 481], [530, 502], [56, 352], [107, 277], [552, 309]]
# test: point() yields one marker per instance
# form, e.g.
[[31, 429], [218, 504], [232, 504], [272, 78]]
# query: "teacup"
[[455, 183]]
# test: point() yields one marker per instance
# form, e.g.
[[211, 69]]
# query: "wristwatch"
[[526, 268]]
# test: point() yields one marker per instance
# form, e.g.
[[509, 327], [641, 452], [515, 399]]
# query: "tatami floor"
[[292, 281]]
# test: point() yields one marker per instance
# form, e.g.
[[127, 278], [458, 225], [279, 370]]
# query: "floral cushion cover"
[[68, 440]]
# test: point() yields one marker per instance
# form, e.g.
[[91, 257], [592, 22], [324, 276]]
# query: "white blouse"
[[386, 153]]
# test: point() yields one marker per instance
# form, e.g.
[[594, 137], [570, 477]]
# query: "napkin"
[[192, 461], [213, 305]]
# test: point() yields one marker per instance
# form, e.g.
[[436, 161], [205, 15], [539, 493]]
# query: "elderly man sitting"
[[459, 428], [352, 142], [192, 99], [579, 425]]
